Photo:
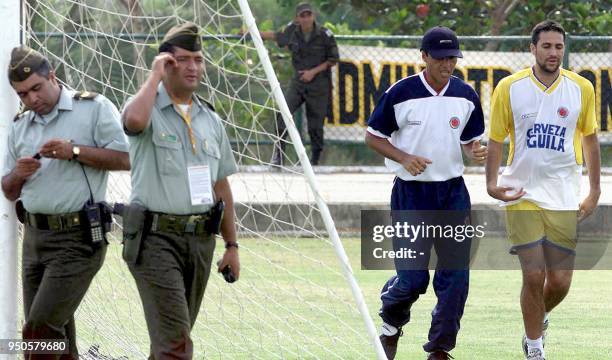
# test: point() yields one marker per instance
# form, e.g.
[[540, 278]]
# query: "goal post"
[[297, 296], [9, 38], [310, 176]]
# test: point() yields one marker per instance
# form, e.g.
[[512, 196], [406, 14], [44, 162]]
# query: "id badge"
[[200, 185]]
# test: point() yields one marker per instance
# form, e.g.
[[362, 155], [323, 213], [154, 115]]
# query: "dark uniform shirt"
[[320, 47]]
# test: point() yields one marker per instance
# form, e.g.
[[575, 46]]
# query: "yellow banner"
[[365, 73]]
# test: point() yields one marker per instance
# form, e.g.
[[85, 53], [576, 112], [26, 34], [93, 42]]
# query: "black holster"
[[213, 225], [134, 217], [20, 211]]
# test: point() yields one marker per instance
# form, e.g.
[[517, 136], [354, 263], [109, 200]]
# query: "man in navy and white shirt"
[[420, 125]]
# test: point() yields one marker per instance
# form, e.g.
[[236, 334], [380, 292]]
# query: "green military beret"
[[24, 62], [185, 36]]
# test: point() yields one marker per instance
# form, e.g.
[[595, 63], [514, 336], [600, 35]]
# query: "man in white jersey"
[[421, 125], [549, 115]]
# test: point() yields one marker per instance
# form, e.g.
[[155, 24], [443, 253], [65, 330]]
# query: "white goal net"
[[293, 300]]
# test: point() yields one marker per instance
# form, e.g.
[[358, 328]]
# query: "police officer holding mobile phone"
[[60, 150]]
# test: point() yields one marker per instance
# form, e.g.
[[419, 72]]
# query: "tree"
[[467, 17]]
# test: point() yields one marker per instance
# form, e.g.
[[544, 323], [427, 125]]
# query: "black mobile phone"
[[36, 156], [227, 273], [94, 218]]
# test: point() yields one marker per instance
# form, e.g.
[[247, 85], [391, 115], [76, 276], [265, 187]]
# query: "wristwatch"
[[230, 244], [76, 151]]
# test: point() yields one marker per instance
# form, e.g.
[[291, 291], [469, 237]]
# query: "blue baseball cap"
[[441, 42]]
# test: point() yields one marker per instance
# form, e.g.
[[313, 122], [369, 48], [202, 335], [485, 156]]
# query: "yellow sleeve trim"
[[501, 111], [501, 122], [587, 121]]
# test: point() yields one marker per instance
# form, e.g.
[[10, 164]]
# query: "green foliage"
[[466, 17]]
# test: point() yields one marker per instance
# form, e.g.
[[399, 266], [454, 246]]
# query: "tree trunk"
[[499, 16]]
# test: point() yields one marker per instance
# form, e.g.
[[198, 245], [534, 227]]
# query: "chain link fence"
[[370, 64]]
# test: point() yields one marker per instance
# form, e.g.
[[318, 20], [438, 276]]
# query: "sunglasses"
[[305, 14]]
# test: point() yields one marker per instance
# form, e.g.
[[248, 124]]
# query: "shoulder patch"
[[292, 26], [329, 33], [85, 95]]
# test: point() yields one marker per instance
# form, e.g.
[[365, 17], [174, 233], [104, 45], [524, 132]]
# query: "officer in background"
[[59, 153], [181, 159], [313, 53]]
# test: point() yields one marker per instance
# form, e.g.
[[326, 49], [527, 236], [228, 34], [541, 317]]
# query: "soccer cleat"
[[439, 355], [389, 343], [524, 344], [535, 354]]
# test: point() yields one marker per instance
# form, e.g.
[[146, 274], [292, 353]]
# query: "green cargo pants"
[[57, 270], [316, 96], [171, 275]]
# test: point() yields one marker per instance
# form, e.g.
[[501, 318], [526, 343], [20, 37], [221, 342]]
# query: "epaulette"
[[85, 95], [205, 102], [21, 112]]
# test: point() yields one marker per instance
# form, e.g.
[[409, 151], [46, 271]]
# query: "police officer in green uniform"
[[59, 153], [313, 52], [181, 159]]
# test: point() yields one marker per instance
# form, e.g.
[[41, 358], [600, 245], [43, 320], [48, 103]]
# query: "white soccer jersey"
[[545, 126], [421, 122]]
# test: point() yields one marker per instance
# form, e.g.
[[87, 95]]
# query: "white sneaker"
[[544, 328]]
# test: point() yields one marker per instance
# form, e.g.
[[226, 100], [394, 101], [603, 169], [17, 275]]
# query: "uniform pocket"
[[212, 153], [211, 149], [168, 153]]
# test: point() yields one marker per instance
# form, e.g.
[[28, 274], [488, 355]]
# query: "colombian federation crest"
[[454, 122], [562, 112]]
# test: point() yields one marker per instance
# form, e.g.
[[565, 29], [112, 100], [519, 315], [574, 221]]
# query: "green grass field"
[[292, 303]]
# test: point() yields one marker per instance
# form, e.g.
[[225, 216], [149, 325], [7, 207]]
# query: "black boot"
[[314, 159], [278, 154]]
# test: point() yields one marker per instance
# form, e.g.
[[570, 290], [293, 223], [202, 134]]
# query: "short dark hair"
[[548, 25]]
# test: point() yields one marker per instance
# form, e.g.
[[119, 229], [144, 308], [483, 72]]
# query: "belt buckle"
[[70, 221], [57, 224], [173, 224], [192, 222]]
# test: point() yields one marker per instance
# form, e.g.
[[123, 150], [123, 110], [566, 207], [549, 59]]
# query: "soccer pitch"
[[580, 327]]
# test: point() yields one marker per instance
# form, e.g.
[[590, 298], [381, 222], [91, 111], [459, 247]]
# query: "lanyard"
[[187, 119]]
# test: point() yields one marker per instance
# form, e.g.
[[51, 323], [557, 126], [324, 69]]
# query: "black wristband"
[[229, 244]]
